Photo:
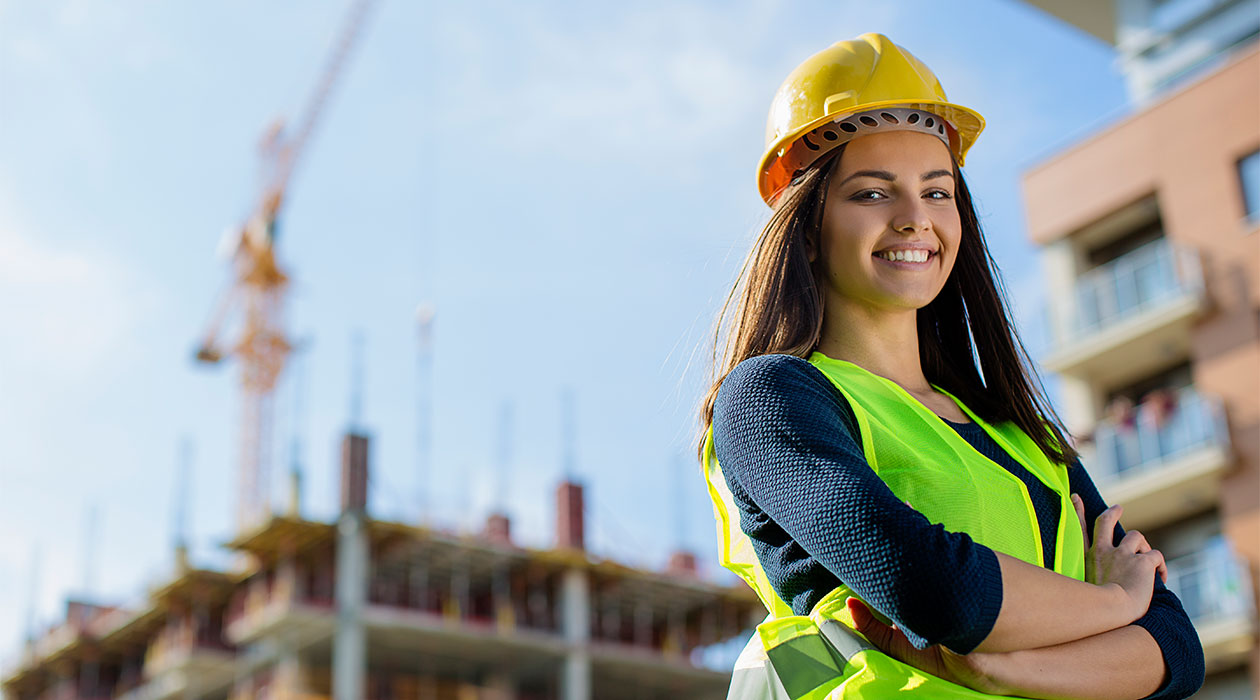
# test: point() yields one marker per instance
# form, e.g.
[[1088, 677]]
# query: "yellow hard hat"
[[849, 88]]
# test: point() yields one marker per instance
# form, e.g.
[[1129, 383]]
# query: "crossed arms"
[[818, 515]]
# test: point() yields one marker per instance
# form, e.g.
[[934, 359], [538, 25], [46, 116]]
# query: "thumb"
[[1079, 505], [861, 614], [866, 624], [887, 638], [864, 621]]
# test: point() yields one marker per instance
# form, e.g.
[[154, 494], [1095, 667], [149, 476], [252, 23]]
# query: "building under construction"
[[363, 608]]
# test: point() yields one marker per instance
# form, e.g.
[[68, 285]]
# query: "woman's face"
[[892, 190]]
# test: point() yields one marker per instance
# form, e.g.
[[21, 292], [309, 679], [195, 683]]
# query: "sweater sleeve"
[[1165, 619], [784, 446]]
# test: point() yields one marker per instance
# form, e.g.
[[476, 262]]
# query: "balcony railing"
[[1213, 584], [1132, 283], [1189, 423]]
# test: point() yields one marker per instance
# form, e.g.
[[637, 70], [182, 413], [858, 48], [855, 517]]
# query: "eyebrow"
[[885, 175]]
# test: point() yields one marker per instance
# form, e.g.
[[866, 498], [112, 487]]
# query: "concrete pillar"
[[287, 578], [708, 624], [1079, 404], [457, 603], [536, 600], [1059, 263], [419, 580], [501, 590], [610, 620], [288, 679], [675, 632], [643, 624], [575, 610], [350, 642]]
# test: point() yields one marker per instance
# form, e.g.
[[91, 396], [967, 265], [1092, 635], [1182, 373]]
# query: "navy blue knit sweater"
[[817, 515]]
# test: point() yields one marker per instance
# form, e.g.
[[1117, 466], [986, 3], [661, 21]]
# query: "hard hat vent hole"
[[848, 127], [830, 135], [889, 118], [940, 128], [913, 119], [929, 123], [869, 121]]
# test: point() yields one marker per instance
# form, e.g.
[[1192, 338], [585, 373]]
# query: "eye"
[[861, 195], [947, 195]]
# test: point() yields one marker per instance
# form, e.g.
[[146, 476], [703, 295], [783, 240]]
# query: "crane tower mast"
[[258, 286]]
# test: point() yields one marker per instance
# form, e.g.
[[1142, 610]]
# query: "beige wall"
[[1184, 149]]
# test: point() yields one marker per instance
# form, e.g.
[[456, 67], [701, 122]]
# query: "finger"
[[865, 620], [1161, 566], [876, 632], [1105, 527], [1133, 542], [1080, 515], [861, 614], [886, 638]]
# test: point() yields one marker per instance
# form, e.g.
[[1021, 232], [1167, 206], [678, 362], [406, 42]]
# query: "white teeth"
[[905, 255]]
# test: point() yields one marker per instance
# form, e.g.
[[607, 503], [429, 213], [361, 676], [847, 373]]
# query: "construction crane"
[[257, 287]]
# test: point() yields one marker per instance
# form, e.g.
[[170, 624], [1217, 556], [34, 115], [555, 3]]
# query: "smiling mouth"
[[907, 264]]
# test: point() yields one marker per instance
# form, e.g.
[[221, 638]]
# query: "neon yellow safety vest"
[[923, 460]]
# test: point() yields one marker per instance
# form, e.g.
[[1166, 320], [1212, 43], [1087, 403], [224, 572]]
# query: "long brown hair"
[[780, 310]]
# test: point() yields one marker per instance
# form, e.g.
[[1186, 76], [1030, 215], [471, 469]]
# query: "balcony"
[[1168, 463], [180, 663], [1128, 317], [1215, 591]]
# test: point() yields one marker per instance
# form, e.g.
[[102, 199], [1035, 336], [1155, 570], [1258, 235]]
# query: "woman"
[[897, 495]]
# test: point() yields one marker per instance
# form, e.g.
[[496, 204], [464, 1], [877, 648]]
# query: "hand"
[[970, 670], [1132, 564]]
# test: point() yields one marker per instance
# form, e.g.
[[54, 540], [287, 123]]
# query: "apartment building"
[[1149, 240], [377, 610], [1161, 44]]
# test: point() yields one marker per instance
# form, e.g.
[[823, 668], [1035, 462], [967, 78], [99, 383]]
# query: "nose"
[[912, 218]]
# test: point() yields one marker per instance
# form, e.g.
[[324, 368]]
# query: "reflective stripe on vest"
[[925, 461]]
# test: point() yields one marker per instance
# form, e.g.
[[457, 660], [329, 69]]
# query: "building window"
[[1249, 177]]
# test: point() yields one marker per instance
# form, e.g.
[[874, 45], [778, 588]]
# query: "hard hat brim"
[[773, 178]]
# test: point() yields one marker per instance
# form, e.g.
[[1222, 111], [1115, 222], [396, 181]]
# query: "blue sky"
[[570, 184]]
